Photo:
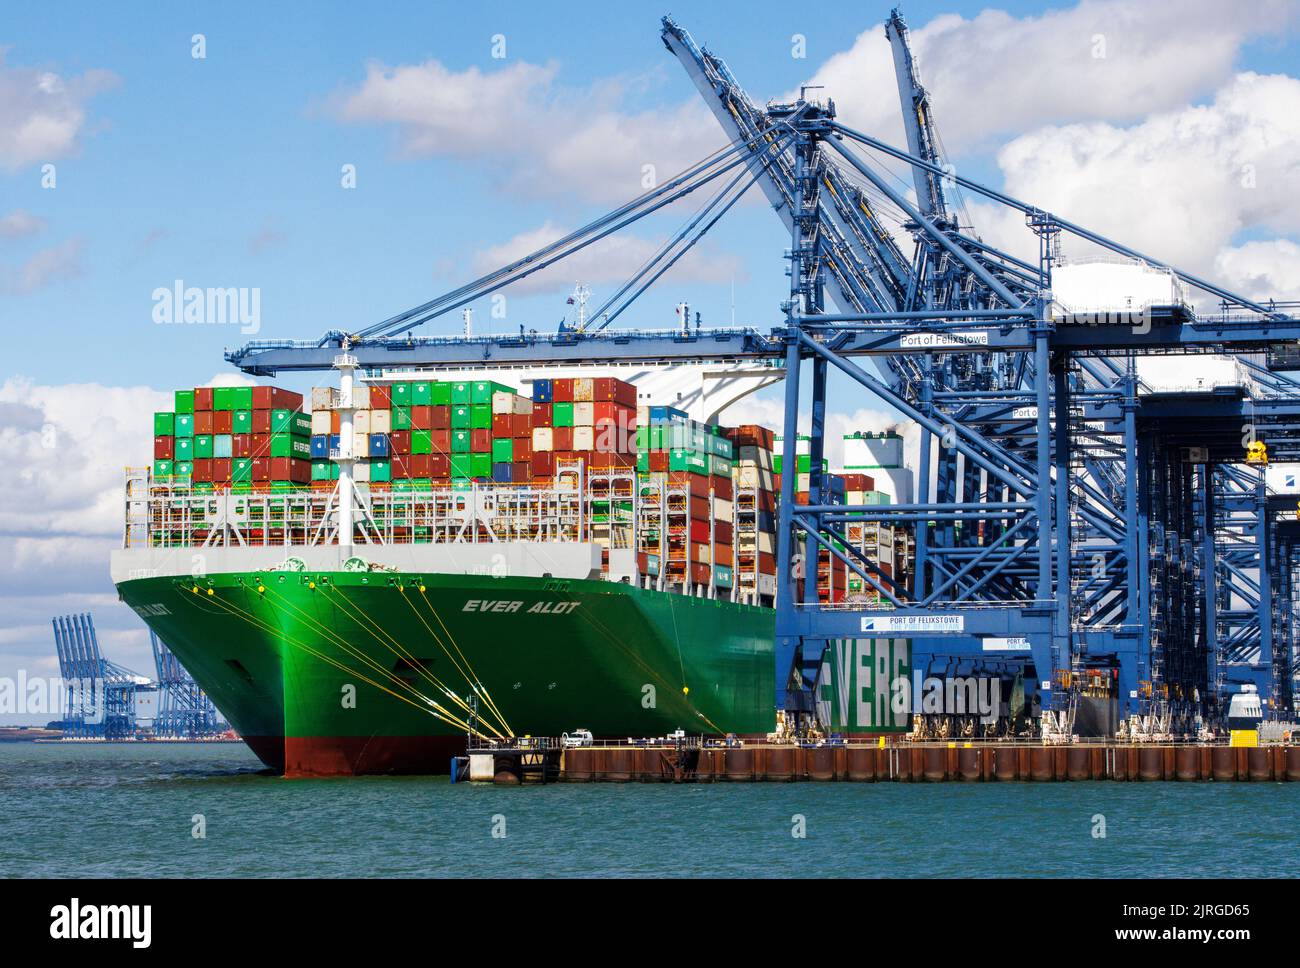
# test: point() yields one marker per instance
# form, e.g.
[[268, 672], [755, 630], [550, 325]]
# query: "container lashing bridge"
[[1106, 542]]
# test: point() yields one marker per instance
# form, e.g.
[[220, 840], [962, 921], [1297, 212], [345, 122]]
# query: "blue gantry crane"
[[1105, 540], [184, 710], [100, 695]]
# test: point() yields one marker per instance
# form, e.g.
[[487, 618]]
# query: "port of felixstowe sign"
[[911, 624], [943, 340]]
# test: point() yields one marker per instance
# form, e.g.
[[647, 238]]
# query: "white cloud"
[[20, 224], [43, 114], [996, 74], [609, 262], [1261, 270], [538, 139], [58, 263], [1181, 185]]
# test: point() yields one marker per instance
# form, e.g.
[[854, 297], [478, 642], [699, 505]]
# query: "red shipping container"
[[610, 389], [615, 436], [480, 441], [222, 421], [521, 472], [522, 425], [400, 467], [439, 466], [241, 445], [563, 439], [542, 414], [440, 442], [624, 415], [203, 422], [722, 555], [261, 421], [722, 533], [699, 508], [221, 470], [164, 448], [335, 421], [562, 390], [722, 487], [700, 574], [273, 398], [291, 469], [503, 425], [203, 470], [700, 532], [658, 460], [399, 442], [261, 469], [421, 465], [381, 397], [422, 418], [441, 417], [544, 464], [523, 450], [751, 435], [202, 398], [261, 445]]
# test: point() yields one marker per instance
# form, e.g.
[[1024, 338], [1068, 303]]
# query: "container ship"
[[363, 579]]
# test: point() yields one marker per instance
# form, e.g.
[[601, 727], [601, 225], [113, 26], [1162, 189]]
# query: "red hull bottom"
[[301, 756]]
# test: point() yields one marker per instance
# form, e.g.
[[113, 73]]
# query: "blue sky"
[[225, 171]]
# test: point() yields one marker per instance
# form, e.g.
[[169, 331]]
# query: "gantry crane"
[[1075, 529]]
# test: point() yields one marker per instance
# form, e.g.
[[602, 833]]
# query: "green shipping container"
[[290, 445], [482, 390], [223, 398], [164, 424], [440, 394], [401, 418], [461, 465], [480, 465], [400, 393], [184, 449], [460, 441], [480, 416], [184, 401], [381, 471], [241, 422], [561, 414], [688, 460], [202, 446], [461, 417], [185, 425], [462, 393], [241, 470], [503, 451], [182, 469], [243, 398], [291, 421], [421, 442], [421, 393], [162, 469], [320, 469]]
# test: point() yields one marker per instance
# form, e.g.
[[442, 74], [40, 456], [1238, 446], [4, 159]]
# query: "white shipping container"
[[361, 421], [381, 421], [361, 472], [748, 475], [322, 398], [722, 510], [543, 439], [503, 402], [522, 405], [320, 423], [755, 455], [360, 444], [361, 397], [584, 438], [583, 389], [584, 414]]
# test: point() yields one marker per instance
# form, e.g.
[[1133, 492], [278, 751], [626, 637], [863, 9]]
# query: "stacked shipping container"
[[236, 438]]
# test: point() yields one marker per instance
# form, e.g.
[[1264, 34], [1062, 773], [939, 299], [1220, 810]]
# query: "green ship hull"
[[349, 672]]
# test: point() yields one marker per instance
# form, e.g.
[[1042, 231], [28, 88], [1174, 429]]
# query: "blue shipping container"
[[501, 473], [379, 445], [320, 447], [543, 391]]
